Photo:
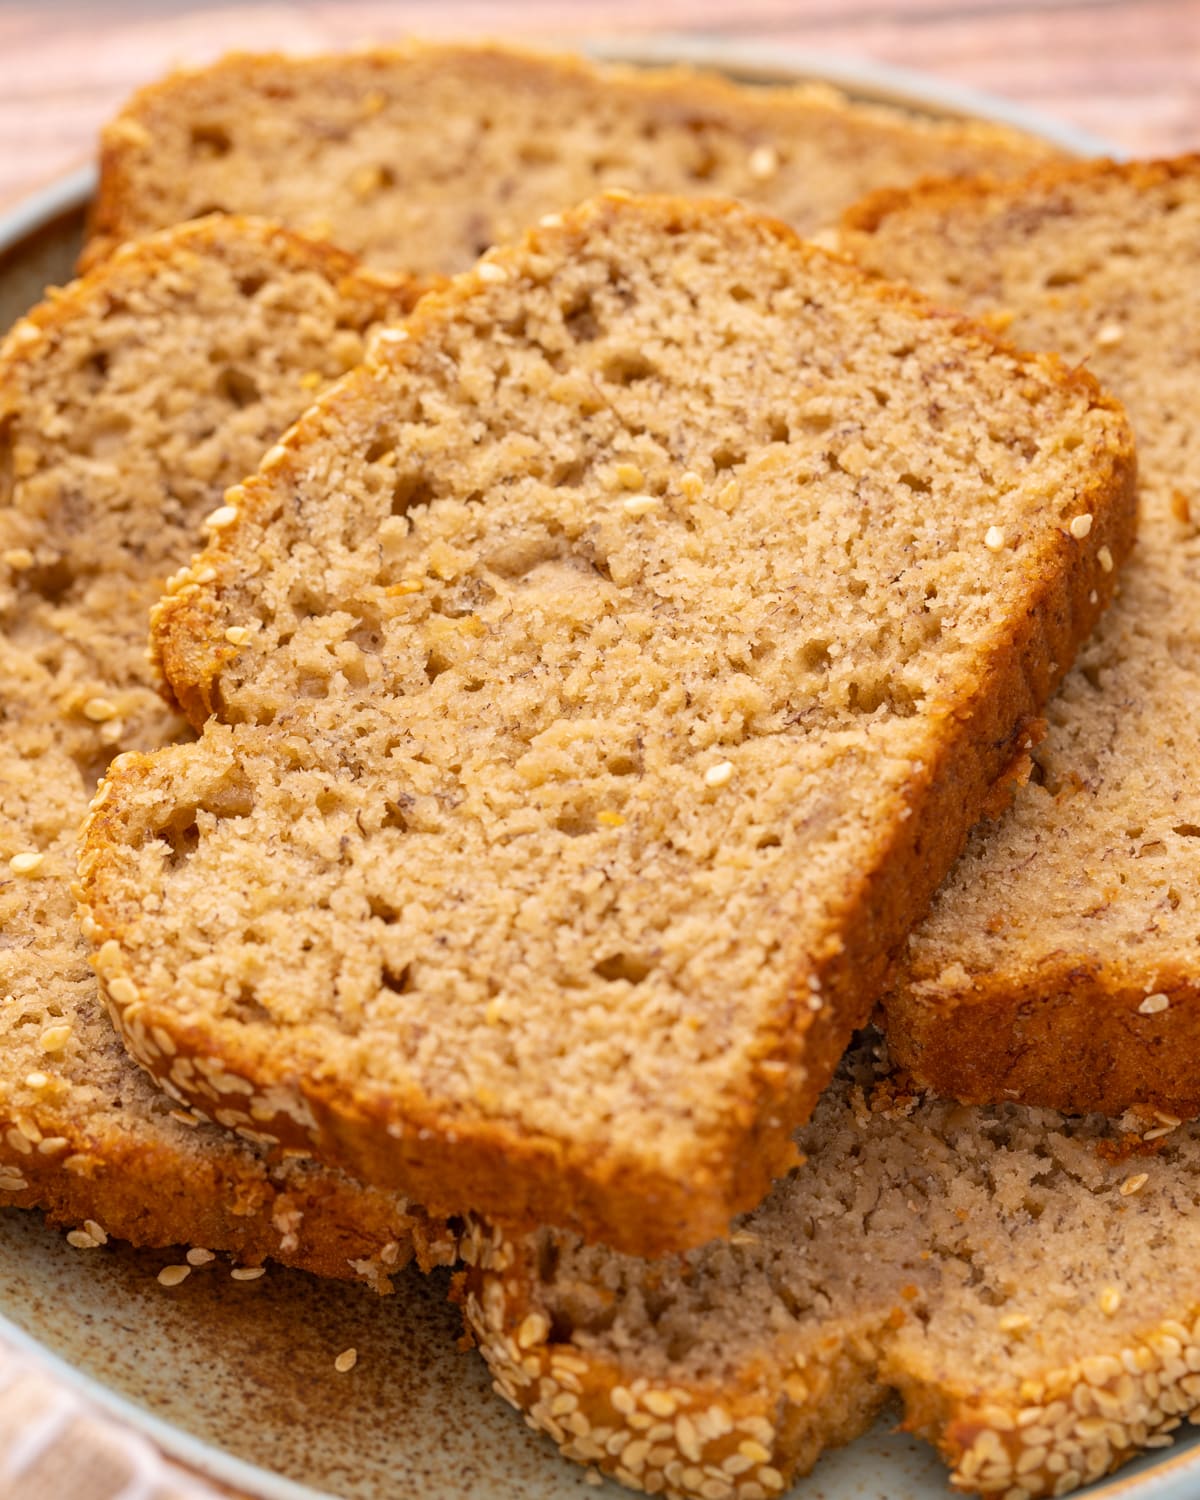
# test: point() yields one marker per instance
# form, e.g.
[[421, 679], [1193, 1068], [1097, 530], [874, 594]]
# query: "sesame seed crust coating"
[[983, 1264], [515, 134], [1059, 965], [562, 657], [129, 402]]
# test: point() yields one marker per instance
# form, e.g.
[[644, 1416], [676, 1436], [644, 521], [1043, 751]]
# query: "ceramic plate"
[[237, 1379]]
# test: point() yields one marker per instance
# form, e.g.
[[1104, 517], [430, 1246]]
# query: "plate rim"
[[863, 79]]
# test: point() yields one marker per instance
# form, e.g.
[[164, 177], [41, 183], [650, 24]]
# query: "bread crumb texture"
[[1061, 964], [128, 403], [1039, 1320], [421, 157], [553, 846]]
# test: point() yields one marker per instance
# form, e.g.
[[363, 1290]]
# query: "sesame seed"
[[346, 1361], [1109, 335], [79, 1239], [36, 1080], [691, 486], [533, 1330], [237, 635], [764, 162], [490, 271], [994, 538], [122, 990], [551, 221], [173, 1275], [409, 586], [54, 1038], [392, 335], [18, 558], [223, 516], [198, 1256], [610, 819], [630, 476], [755, 1452], [1153, 1004], [1158, 1132], [247, 1273], [26, 862], [639, 505], [97, 1231], [719, 774], [1015, 1322], [659, 1403], [1105, 558], [1110, 1301], [1080, 526], [310, 380]]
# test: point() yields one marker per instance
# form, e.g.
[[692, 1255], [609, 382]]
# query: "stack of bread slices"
[[583, 668]]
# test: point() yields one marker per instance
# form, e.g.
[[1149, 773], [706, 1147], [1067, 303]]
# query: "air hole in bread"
[[436, 663], [182, 838], [1062, 277], [410, 490], [627, 367], [1187, 830], [7, 479], [728, 457], [238, 387], [210, 140], [916, 483], [381, 908], [399, 981], [53, 581], [626, 966], [94, 369], [393, 817], [248, 1007], [579, 319], [777, 428]]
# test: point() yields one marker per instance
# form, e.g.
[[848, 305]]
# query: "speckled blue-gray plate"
[[237, 1379]]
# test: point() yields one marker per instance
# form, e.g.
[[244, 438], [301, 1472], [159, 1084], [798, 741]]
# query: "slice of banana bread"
[[615, 663], [1029, 1284], [1060, 964], [128, 402], [423, 156]]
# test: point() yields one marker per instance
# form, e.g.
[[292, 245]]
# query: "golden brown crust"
[[520, 1178], [239, 1203], [747, 1434], [1074, 1036], [867, 215], [119, 211], [148, 1178], [752, 1433], [1076, 1024]]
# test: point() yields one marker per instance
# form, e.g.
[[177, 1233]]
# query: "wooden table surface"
[[1127, 69]]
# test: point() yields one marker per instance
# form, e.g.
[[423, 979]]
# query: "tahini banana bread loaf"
[[1027, 1283], [420, 157], [1060, 964], [611, 668], [128, 403]]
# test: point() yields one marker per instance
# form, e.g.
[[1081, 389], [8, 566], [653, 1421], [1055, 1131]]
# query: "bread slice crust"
[[998, 1269], [1055, 966], [515, 134], [171, 342], [516, 1162]]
